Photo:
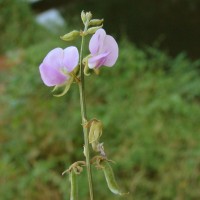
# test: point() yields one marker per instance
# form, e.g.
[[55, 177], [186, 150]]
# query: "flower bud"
[[95, 131], [93, 29], [70, 36], [83, 16], [88, 16], [95, 22]]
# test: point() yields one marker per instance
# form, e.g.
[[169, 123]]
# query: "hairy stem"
[[84, 120]]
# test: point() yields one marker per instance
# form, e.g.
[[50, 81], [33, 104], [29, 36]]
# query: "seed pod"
[[74, 186], [110, 178]]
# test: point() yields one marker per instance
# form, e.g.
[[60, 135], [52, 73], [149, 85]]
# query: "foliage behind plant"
[[18, 27], [174, 22], [152, 109]]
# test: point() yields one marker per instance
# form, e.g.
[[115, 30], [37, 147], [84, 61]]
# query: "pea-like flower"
[[57, 65], [103, 49]]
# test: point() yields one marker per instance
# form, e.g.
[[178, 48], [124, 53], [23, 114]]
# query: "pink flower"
[[57, 65], [103, 49]]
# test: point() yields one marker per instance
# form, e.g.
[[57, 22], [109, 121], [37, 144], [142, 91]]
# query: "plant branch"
[[84, 119]]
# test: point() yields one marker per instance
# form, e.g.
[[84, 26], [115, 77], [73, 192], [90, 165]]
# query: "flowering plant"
[[62, 67]]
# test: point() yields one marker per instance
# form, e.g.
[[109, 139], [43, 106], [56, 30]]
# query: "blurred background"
[[149, 102]]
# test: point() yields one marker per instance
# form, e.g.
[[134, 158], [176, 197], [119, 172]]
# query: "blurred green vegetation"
[[18, 27], [149, 104]]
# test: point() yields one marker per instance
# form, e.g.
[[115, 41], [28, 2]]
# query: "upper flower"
[[57, 65], [103, 49]]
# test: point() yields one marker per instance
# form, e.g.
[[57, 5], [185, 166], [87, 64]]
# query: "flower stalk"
[[84, 117]]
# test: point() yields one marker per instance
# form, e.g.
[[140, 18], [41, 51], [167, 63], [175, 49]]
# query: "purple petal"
[[54, 58], [51, 76], [97, 41], [70, 58], [111, 46], [97, 61]]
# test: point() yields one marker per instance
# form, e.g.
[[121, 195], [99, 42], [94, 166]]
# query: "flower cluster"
[[57, 66]]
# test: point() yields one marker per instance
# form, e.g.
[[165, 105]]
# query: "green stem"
[[84, 121]]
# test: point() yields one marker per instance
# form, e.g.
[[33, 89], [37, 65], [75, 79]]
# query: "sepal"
[[67, 87]]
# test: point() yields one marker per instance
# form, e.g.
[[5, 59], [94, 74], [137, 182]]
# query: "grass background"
[[149, 104]]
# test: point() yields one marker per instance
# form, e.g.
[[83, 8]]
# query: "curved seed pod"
[[74, 186], [110, 178]]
